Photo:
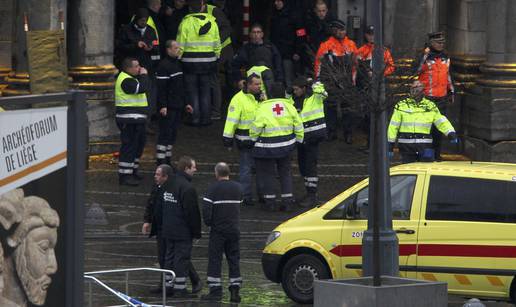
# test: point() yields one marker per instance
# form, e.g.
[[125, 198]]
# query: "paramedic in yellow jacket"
[[411, 123], [275, 130]]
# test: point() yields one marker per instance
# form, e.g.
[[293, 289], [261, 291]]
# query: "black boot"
[[235, 294], [286, 205], [309, 201], [215, 295], [128, 180], [136, 175]]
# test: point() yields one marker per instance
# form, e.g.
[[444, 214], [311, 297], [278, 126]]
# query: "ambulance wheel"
[[299, 274]]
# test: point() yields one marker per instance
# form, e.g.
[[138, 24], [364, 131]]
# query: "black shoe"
[[268, 206], [286, 206], [348, 139], [235, 295], [182, 294], [213, 296], [158, 290], [309, 201], [137, 176], [197, 287], [248, 202], [128, 180]]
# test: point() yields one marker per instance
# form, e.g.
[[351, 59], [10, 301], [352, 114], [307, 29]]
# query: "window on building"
[[471, 199]]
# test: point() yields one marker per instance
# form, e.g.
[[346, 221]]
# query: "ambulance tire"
[[298, 275]]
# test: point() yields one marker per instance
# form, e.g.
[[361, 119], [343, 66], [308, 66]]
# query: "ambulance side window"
[[339, 212], [402, 193]]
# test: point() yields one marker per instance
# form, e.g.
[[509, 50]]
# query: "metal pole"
[[163, 281], [90, 293], [380, 244], [127, 283]]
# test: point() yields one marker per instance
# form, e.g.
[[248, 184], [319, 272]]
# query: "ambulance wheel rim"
[[304, 277]]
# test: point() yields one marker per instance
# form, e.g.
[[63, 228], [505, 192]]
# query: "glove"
[[227, 142], [318, 88], [452, 136]]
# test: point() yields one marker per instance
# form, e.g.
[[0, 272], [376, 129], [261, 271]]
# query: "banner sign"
[[33, 144]]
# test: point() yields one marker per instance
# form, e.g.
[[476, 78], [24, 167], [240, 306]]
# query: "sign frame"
[[76, 166]]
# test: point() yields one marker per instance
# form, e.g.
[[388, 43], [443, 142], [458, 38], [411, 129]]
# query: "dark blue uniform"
[[181, 223], [221, 212]]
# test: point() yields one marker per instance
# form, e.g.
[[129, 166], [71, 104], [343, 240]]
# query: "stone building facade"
[[479, 40]]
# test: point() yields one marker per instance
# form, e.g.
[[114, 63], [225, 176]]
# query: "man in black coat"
[[152, 218], [175, 10], [254, 53], [221, 212], [283, 36], [183, 223], [171, 101], [138, 40]]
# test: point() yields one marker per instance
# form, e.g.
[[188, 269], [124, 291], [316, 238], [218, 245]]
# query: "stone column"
[[90, 51], [41, 15], [466, 34], [6, 34], [490, 107]]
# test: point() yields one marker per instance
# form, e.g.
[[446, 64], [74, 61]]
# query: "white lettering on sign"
[[33, 144]]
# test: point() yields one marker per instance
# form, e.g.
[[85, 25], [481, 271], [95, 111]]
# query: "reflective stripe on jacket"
[[411, 122], [198, 39], [241, 113], [338, 48], [434, 73], [276, 129], [312, 115]]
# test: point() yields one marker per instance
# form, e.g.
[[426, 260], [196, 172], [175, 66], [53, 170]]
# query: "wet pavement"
[[120, 244]]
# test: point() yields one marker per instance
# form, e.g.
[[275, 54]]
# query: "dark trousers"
[[307, 156], [132, 139], [178, 258], [415, 152], [198, 90], [229, 245], [168, 126], [330, 116], [245, 174], [265, 173], [442, 105], [332, 120], [216, 95]]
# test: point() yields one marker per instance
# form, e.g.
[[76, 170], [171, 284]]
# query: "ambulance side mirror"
[[352, 211]]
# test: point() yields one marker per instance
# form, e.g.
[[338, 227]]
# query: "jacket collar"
[[185, 175]]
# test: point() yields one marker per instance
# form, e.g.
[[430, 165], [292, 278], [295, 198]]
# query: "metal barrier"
[[125, 296]]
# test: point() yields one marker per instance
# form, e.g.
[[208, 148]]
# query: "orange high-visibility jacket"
[[365, 53], [337, 47], [434, 73]]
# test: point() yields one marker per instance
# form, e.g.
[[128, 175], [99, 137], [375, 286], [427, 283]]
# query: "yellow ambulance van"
[[455, 221]]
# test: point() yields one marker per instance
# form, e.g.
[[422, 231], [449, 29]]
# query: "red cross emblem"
[[278, 109]]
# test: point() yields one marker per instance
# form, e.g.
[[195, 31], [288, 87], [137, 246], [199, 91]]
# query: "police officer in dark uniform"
[[181, 223], [221, 212], [152, 218], [171, 101], [131, 114]]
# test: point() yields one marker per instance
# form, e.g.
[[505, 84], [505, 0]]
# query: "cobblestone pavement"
[[119, 243]]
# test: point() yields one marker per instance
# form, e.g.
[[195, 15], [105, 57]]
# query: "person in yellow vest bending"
[[131, 116]]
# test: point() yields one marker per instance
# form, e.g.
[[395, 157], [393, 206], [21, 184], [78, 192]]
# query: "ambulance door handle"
[[405, 230]]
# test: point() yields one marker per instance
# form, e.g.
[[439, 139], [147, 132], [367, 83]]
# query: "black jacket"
[[181, 215], [169, 79], [127, 45], [171, 23], [283, 32], [153, 210], [221, 206], [252, 54]]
